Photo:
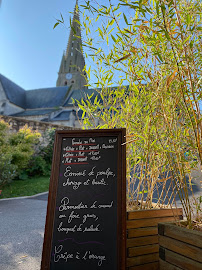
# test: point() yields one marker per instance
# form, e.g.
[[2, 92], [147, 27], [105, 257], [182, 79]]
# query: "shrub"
[[46, 151], [37, 167], [7, 169], [23, 143], [40, 162], [16, 150]]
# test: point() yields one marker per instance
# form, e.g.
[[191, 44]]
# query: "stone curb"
[[25, 197]]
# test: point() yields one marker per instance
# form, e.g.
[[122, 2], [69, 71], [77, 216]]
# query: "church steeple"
[[73, 62]]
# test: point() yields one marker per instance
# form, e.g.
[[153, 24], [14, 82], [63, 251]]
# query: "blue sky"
[[30, 49]]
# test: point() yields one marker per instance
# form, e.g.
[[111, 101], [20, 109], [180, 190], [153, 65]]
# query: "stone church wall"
[[36, 118], [17, 123]]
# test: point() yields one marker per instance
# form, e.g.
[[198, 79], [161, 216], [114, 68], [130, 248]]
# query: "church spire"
[[73, 62]]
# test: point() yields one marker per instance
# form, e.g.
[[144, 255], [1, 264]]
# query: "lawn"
[[27, 187]]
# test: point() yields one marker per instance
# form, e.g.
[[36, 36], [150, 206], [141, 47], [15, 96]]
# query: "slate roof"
[[65, 115], [46, 100], [34, 112], [79, 94], [46, 97], [14, 92], [62, 116]]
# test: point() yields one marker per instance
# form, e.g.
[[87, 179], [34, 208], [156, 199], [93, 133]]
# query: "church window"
[[72, 81], [71, 53], [65, 82]]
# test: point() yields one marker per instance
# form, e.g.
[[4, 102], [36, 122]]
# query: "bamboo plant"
[[154, 47]]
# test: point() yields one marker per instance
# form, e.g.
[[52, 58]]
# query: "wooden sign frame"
[[121, 191]]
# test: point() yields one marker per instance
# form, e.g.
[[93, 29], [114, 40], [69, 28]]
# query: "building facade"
[[72, 65], [54, 104]]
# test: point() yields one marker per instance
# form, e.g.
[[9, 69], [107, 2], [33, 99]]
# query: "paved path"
[[22, 223]]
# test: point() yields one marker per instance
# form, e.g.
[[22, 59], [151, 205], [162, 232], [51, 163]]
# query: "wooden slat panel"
[[142, 259], [167, 266], [148, 266], [142, 250], [181, 261], [182, 234], [142, 232], [187, 250], [152, 213], [140, 223], [142, 241]]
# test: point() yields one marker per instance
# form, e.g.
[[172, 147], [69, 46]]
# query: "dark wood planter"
[[180, 248], [142, 236]]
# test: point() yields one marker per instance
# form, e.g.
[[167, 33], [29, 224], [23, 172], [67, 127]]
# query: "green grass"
[[27, 187]]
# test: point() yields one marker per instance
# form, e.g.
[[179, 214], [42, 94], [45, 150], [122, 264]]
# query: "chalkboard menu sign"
[[85, 222]]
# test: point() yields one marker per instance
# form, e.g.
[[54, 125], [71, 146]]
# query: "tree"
[[155, 48]]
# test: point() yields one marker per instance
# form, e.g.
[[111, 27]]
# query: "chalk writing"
[[86, 204], [67, 256]]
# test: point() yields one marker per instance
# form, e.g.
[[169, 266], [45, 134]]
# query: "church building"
[[52, 104]]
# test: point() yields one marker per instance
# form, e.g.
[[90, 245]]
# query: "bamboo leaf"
[[171, 78], [126, 21], [123, 58], [113, 38], [55, 25]]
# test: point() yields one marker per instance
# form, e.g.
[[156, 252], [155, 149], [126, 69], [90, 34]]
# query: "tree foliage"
[[16, 150], [40, 162], [154, 47]]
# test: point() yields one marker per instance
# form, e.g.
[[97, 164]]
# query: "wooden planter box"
[[142, 237], [180, 248]]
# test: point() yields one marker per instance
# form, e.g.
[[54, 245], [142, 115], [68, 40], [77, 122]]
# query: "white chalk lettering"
[[104, 146], [69, 173], [64, 256], [91, 256], [65, 205], [75, 185], [76, 142], [106, 173], [72, 216], [66, 229]]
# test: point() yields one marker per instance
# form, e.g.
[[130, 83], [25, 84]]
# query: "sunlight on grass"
[[28, 187]]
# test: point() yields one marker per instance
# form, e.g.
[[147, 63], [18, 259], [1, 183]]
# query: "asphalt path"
[[22, 223]]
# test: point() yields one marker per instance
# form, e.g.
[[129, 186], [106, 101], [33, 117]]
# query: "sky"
[[30, 49]]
